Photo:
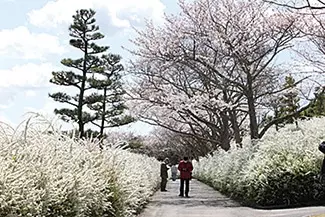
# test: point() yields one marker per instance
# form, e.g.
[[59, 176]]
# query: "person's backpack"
[[321, 147]]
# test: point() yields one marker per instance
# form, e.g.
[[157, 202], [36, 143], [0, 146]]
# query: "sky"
[[34, 38]]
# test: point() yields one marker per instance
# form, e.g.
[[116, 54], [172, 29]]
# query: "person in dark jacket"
[[164, 174], [185, 167]]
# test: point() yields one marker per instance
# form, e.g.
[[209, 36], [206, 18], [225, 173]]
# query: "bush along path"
[[204, 201], [50, 174], [280, 170]]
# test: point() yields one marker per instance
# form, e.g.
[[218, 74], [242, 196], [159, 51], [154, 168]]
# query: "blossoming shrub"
[[49, 174], [280, 169]]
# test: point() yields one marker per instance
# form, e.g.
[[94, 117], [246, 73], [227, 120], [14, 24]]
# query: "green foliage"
[[135, 143], [107, 103], [289, 102], [287, 178], [83, 32], [95, 73], [317, 108], [67, 114]]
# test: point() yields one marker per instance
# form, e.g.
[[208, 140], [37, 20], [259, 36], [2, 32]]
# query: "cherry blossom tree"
[[203, 72], [300, 4], [312, 46]]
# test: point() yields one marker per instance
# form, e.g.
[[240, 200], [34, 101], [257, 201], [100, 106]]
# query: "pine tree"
[[317, 107], [107, 102], [289, 102], [83, 33]]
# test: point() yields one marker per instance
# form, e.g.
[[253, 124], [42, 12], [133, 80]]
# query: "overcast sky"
[[34, 38]]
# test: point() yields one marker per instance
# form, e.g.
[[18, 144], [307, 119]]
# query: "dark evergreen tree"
[[317, 107], [107, 102], [289, 102], [83, 33]]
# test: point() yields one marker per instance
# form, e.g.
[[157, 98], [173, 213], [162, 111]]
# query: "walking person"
[[185, 167], [173, 169], [164, 174]]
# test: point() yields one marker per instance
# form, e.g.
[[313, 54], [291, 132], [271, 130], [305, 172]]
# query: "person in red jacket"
[[185, 167]]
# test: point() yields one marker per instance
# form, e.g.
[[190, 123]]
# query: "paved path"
[[206, 202]]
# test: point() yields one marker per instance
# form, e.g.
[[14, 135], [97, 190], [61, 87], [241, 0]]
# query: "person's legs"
[[173, 176], [181, 189], [163, 184], [187, 187]]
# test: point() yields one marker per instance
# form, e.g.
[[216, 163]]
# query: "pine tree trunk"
[[82, 91], [102, 125]]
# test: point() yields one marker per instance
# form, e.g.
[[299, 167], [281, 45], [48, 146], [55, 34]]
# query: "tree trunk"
[[276, 114], [235, 127], [251, 108], [225, 135], [82, 91], [102, 125]]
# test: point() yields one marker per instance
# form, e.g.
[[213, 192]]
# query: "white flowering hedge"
[[280, 169], [48, 174]]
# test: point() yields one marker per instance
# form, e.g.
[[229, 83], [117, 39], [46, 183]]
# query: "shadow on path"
[[204, 201], [199, 195]]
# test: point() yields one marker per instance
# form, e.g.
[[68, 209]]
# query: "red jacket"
[[186, 169]]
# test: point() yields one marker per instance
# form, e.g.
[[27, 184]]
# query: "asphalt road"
[[206, 202]]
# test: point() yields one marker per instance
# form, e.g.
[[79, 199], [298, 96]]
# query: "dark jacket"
[[186, 169], [163, 170]]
